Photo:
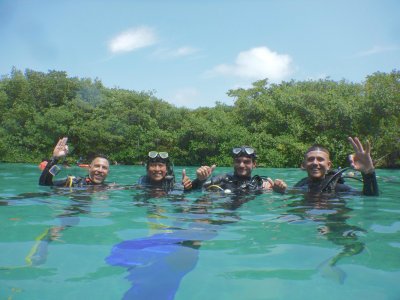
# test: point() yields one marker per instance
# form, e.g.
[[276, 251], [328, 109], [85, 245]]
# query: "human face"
[[243, 166], [98, 170], [316, 163], [157, 171]]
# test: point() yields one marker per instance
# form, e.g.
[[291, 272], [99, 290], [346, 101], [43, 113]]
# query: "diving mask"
[[245, 150], [154, 154]]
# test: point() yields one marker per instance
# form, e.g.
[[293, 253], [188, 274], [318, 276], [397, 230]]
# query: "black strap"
[[333, 179]]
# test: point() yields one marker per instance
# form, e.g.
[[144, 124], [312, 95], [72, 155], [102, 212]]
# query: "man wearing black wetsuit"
[[244, 161], [317, 164], [98, 170]]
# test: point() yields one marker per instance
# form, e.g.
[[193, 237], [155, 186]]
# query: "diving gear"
[[232, 182], [244, 150], [333, 179], [334, 183], [154, 154], [54, 170]]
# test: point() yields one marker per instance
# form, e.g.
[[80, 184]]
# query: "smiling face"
[[316, 163], [156, 171], [98, 170], [243, 166]]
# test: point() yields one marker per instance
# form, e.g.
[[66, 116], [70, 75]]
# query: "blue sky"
[[191, 53]]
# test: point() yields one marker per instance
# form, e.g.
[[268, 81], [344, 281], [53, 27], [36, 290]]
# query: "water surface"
[[111, 244]]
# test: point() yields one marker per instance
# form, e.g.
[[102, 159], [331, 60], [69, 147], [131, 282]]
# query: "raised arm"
[[202, 174], [186, 181], [361, 161], [60, 150], [277, 185]]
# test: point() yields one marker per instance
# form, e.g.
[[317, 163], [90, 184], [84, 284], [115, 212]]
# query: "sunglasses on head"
[[243, 150], [154, 154]]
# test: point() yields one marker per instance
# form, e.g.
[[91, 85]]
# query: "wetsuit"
[[231, 182], [332, 183], [46, 178], [167, 184]]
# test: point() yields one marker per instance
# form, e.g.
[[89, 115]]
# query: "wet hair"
[[98, 155], [166, 161], [243, 153], [317, 147], [156, 160]]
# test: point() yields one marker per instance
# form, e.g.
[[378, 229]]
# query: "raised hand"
[[279, 186], [267, 184], [361, 159], [187, 183], [204, 172], [61, 149]]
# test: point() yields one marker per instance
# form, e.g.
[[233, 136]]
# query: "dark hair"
[[317, 147], [92, 157], [166, 161], [243, 152]]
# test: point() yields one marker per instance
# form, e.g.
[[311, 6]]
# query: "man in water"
[[318, 165], [98, 170], [244, 161], [160, 173]]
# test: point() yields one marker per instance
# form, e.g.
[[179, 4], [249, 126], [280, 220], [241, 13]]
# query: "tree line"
[[279, 120]]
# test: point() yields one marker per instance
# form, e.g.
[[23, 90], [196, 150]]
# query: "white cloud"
[[377, 50], [258, 63], [179, 52], [187, 97], [132, 39], [184, 51]]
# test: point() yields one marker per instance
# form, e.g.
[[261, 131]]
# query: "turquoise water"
[[271, 247]]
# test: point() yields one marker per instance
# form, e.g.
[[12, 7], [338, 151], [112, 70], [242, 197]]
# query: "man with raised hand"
[[321, 178], [244, 161], [98, 170]]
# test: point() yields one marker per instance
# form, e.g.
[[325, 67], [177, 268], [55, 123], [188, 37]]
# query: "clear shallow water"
[[128, 242]]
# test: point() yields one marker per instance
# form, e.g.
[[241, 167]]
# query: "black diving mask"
[[155, 154], [244, 150]]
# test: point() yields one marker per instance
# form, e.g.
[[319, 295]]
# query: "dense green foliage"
[[280, 120]]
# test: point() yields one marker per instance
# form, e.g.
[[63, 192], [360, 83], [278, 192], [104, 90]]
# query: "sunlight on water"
[[133, 244]]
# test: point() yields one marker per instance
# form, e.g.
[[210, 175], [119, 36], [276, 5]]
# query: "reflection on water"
[[331, 213], [172, 250]]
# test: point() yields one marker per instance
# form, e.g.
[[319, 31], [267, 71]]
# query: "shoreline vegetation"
[[279, 120]]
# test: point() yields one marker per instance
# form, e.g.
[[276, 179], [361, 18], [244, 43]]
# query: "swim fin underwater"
[[329, 270], [157, 264], [37, 254]]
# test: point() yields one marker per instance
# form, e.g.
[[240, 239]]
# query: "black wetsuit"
[[336, 184], [231, 182], [46, 178], [167, 184]]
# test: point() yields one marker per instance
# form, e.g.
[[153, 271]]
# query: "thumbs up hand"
[[204, 172], [187, 183]]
